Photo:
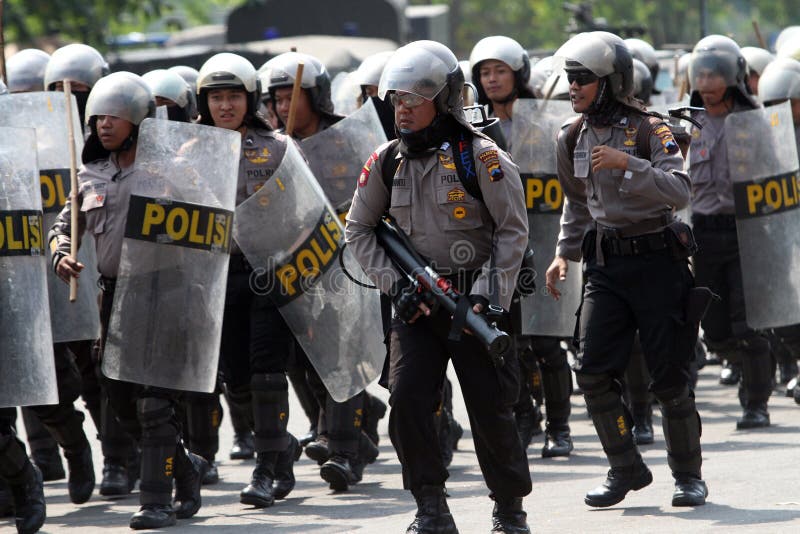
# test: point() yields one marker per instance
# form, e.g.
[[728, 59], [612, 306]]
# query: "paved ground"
[[752, 478]]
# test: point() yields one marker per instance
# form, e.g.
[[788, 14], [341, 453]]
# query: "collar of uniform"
[[445, 147]]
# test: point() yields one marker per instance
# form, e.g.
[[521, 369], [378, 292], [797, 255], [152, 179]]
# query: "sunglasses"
[[409, 100], [581, 77]]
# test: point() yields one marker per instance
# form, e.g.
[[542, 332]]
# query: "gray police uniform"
[[147, 414], [717, 263], [460, 236], [635, 278]]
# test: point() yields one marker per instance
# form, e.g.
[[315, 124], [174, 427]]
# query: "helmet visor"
[[414, 70]]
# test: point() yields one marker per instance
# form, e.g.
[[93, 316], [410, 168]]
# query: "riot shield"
[[27, 365], [46, 112], [337, 323], [337, 154], [166, 320], [534, 132], [762, 156]]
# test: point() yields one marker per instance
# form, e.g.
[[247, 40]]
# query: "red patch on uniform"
[[364, 178]]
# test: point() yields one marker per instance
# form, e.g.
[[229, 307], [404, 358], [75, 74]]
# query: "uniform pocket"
[[92, 207], [401, 208], [460, 210]]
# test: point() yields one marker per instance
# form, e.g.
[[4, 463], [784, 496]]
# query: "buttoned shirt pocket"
[[92, 205], [401, 207], [458, 209]]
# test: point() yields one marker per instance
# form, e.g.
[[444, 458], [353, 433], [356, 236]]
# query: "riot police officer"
[[256, 342], [82, 65], [757, 60], [115, 108], [429, 202], [718, 74], [501, 69], [618, 217], [342, 449]]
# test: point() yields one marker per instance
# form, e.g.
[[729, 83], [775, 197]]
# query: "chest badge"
[[447, 162], [459, 212], [254, 155], [456, 195], [630, 137]]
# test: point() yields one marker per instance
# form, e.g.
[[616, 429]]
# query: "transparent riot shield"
[[27, 365], [337, 323], [762, 157], [534, 132], [46, 112], [337, 154], [166, 320]]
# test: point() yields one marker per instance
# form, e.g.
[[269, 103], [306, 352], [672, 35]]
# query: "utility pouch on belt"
[[682, 241]]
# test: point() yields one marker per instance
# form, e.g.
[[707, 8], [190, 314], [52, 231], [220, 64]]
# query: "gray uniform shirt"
[[103, 194], [613, 197], [712, 191], [445, 223]]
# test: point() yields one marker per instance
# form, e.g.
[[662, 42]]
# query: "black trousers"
[[648, 293], [419, 354]]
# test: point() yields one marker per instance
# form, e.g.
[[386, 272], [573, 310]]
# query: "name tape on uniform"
[[310, 260], [543, 193], [56, 187], [170, 222], [21, 233], [766, 196]]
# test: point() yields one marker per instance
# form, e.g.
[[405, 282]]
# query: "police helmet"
[[123, 95], [540, 73], [787, 35], [370, 70], [556, 87], [76, 63], [644, 52], [722, 56], [25, 70], [227, 71], [642, 81], [757, 58], [188, 74], [605, 55], [780, 80], [282, 69], [507, 50], [170, 85]]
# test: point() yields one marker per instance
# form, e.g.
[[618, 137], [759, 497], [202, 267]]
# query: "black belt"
[[636, 245], [106, 284], [720, 221]]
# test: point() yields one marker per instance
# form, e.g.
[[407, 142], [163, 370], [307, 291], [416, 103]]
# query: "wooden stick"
[[3, 45], [73, 197], [298, 80], [761, 42]]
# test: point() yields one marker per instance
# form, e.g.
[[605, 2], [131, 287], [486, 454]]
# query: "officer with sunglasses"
[[618, 217], [479, 246]]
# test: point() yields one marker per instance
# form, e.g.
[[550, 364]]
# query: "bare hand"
[[68, 268], [557, 271], [423, 310], [605, 157]]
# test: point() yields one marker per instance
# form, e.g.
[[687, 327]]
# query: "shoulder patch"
[[492, 162], [667, 140], [364, 177]]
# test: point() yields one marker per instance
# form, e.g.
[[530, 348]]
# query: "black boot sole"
[[147, 523], [335, 477], [642, 481], [258, 502]]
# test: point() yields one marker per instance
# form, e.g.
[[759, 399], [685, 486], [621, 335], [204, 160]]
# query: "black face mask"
[[605, 109], [177, 114], [427, 140], [81, 97]]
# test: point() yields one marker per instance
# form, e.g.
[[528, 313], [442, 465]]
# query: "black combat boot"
[[212, 473], [151, 516], [755, 415], [309, 436], [557, 440], [730, 374], [433, 515], [689, 490], [259, 492], [374, 411], [618, 483], [338, 472], [318, 449], [190, 471], [508, 516], [6, 500], [27, 490], [240, 408], [81, 475], [643, 424], [49, 463], [116, 479], [243, 447], [284, 481]]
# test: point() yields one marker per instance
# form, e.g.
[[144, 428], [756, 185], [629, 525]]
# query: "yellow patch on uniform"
[[696, 133], [339, 170], [667, 140], [254, 156], [447, 162], [459, 212], [456, 195], [263, 201], [630, 136], [492, 162]]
